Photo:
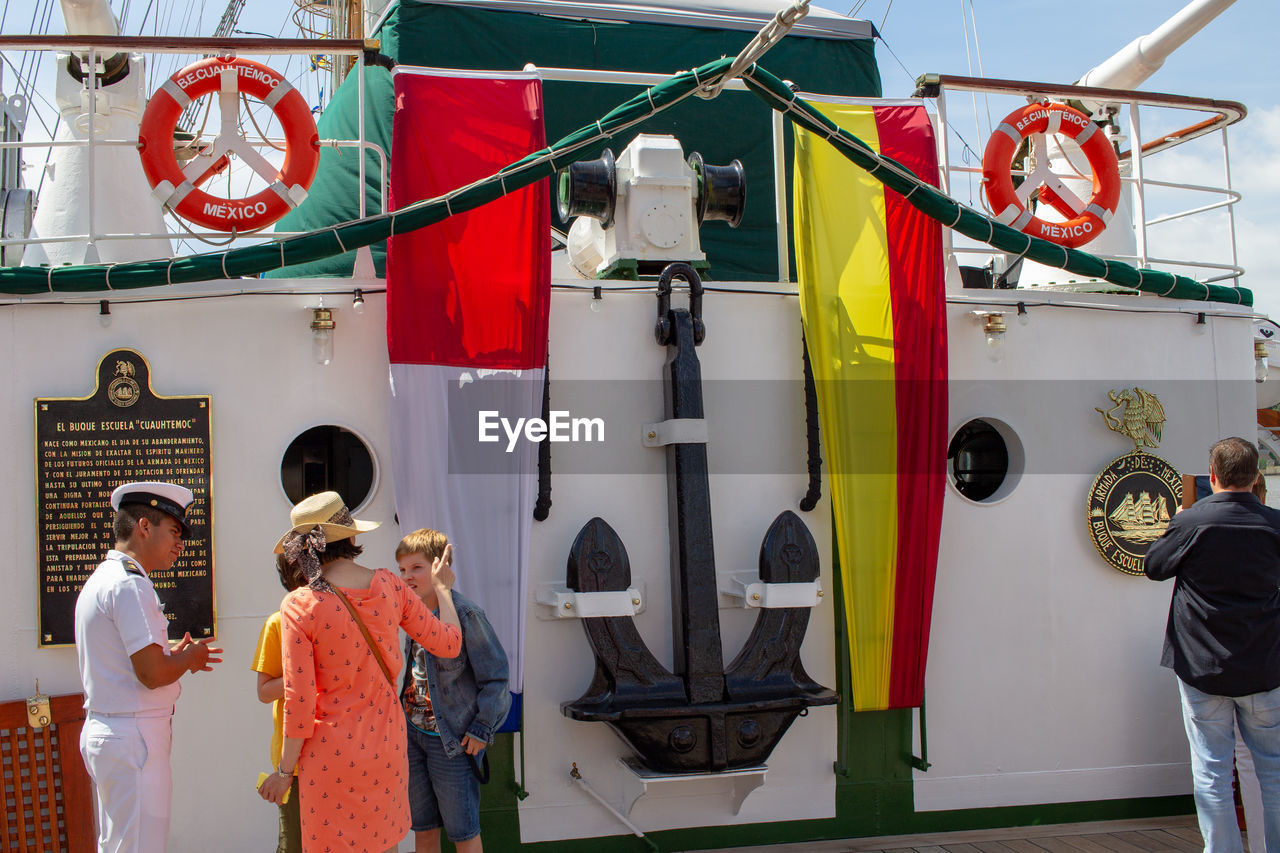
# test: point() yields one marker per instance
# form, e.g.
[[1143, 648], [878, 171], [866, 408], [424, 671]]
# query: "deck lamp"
[[993, 328], [1259, 360], [322, 326], [993, 331]]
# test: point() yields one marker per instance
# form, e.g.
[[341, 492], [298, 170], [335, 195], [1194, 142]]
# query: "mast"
[[1129, 67], [89, 18]]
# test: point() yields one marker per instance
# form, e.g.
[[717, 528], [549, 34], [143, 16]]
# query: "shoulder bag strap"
[[373, 647]]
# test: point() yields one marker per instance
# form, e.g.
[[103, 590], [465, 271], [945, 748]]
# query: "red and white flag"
[[467, 309]]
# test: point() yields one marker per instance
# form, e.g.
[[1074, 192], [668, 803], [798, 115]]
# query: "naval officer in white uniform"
[[130, 672]]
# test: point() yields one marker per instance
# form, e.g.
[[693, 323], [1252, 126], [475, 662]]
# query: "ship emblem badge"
[[123, 390], [1132, 500]]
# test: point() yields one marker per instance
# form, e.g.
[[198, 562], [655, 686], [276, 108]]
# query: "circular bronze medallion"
[[1129, 506], [123, 391]]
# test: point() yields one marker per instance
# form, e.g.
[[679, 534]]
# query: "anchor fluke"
[[769, 663], [626, 672]]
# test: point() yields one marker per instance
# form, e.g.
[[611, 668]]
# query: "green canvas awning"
[[828, 53]]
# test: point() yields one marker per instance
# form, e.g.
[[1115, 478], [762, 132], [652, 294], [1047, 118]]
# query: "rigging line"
[[886, 15], [29, 55], [977, 130], [977, 49], [896, 58], [38, 94], [28, 78], [146, 13], [245, 100]]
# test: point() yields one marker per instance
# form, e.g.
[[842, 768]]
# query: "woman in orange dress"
[[343, 727]]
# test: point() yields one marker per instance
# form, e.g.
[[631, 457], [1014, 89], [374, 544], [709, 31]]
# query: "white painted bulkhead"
[[1043, 683], [253, 355]]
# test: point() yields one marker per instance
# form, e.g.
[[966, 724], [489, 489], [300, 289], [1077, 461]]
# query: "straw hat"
[[326, 511]]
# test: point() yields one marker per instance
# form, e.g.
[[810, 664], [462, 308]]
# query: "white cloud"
[[1255, 173]]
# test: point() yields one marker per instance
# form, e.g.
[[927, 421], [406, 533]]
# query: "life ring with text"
[[178, 187], [1084, 220]]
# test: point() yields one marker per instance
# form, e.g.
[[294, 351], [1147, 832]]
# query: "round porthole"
[[984, 460], [329, 458]]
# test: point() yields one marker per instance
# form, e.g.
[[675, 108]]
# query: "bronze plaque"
[[85, 447], [1130, 504]]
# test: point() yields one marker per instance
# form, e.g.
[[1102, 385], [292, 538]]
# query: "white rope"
[[49, 279], [280, 243], [168, 272], [338, 237], [108, 274], [769, 35]]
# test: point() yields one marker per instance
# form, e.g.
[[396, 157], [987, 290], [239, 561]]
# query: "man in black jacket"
[[1223, 637]]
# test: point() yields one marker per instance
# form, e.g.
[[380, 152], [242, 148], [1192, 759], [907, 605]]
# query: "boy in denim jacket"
[[452, 708]]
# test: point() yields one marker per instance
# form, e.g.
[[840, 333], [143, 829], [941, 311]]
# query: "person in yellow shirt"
[[268, 662]]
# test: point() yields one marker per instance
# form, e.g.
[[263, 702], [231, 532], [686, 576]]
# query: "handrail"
[[927, 86], [187, 44]]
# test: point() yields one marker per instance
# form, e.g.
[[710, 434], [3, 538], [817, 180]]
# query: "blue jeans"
[[443, 791], [1211, 725]]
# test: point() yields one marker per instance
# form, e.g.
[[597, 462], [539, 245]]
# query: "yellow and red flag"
[[874, 309]]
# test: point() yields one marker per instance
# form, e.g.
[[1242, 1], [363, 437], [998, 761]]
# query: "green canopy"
[[831, 56]]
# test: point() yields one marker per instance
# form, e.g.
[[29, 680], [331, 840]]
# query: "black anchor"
[[702, 718]]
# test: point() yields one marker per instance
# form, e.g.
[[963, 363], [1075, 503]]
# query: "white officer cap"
[[169, 498]]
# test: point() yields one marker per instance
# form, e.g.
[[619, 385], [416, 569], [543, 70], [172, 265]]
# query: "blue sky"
[[1234, 58]]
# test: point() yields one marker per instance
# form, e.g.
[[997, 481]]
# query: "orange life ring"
[[178, 188], [1084, 220]]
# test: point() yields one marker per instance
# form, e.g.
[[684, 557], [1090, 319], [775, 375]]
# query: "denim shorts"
[[443, 791]]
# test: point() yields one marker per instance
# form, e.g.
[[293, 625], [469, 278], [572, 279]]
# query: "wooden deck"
[[1156, 835]]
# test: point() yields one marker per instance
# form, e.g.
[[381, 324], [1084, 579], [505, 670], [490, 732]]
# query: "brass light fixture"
[[322, 326]]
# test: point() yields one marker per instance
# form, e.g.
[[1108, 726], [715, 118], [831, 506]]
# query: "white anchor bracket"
[[637, 781], [753, 592], [560, 603], [675, 431]]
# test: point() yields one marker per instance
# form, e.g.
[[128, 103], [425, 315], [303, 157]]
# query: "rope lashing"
[[769, 35]]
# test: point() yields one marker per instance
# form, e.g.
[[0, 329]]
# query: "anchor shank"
[[695, 605]]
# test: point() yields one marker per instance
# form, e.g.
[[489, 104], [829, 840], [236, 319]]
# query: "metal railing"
[[92, 48], [1222, 114]]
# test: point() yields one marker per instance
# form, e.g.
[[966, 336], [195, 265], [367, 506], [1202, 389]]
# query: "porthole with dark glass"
[[978, 458], [329, 458]]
